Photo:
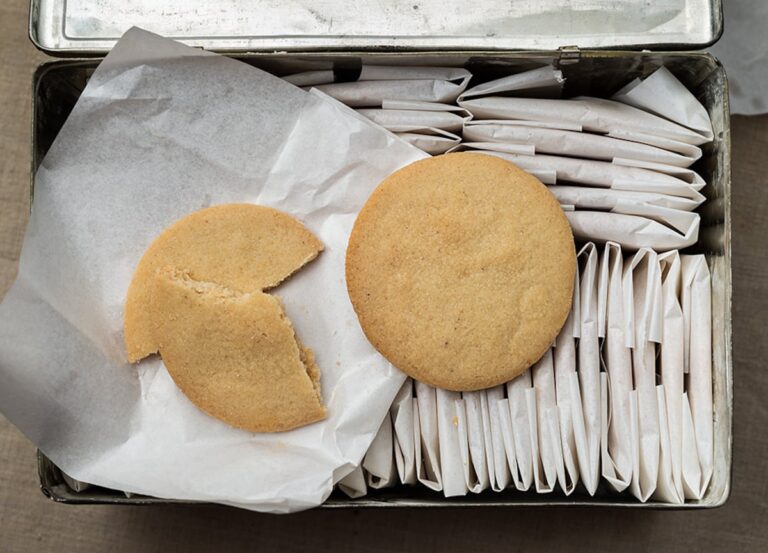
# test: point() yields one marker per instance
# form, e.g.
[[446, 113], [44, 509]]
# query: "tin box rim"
[[55, 486], [66, 28]]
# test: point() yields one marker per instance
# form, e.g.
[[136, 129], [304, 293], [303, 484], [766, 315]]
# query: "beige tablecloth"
[[29, 522]]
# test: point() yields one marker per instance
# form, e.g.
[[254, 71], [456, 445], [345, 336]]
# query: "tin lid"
[[91, 27]]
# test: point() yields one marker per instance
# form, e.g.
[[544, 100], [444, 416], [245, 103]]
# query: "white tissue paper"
[[160, 131], [644, 320], [405, 440], [696, 300], [451, 462], [501, 476], [663, 94], [550, 461], [428, 470], [379, 463], [596, 115], [617, 356], [565, 369], [607, 199], [589, 368], [672, 363], [517, 428], [473, 426], [410, 116], [543, 82], [547, 140], [353, 484], [674, 181], [430, 126], [378, 83], [432, 141], [630, 231]]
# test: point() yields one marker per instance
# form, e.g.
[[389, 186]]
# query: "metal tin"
[[58, 84], [90, 27]]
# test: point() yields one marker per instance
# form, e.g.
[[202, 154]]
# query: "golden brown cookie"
[[234, 355], [460, 268], [197, 298], [243, 247]]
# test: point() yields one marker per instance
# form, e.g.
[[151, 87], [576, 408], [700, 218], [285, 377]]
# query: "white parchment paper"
[[380, 83], [592, 114], [163, 130], [547, 140], [617, 356], [543, 82], [663, 94]]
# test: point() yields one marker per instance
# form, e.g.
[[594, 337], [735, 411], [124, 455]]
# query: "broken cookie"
[[197, 298], [234, 355], [243, 247]]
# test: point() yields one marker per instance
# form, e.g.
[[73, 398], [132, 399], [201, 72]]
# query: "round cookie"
[[461, 268], [243, 247]]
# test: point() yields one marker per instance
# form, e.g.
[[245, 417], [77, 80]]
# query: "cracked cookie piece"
[[460, 269], [234, 355], [243, 247], [197, 298]]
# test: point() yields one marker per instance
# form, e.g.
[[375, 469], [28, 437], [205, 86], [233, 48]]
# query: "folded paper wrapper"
[[561, 423], [189, 129], [620, 170], [643, 140]]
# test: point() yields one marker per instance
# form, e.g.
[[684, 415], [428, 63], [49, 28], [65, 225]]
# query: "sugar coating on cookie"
[[243, 247], [234, 355], [461, 269]]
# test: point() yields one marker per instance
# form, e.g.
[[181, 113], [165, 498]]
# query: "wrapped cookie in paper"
[[404, 439], [431, 141], [672, 369], [588, 446], [405, 116], [643, 177], [595, 115], [428, 471], [379, 462], [547, 140], [696, 299], [473, 426], [516, 429], [430, 126], [550, 459], [564, 358], [378, 83], [663, 94], [633, 232], [501, 477], [543, 82], [449, 442], [643, 300], [608, 199], [617, 356], [354, 484], [665, 484]]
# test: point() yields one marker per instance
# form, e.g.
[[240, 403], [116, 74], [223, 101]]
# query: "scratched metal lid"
[[91, 27]]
